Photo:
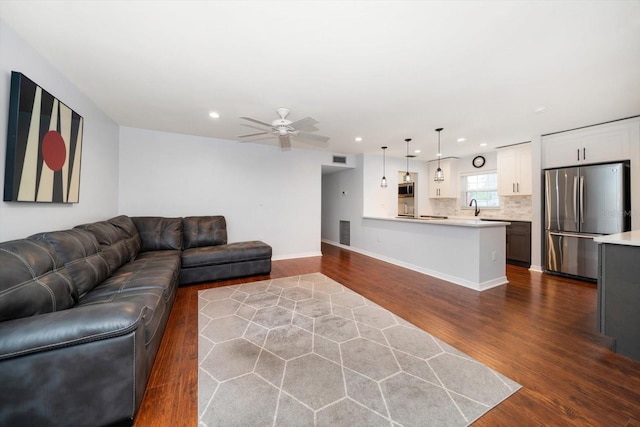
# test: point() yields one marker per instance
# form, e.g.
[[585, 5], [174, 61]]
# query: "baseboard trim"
[[300, 255]]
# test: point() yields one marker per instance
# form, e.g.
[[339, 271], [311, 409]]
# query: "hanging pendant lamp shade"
[[383, 181], [439, 175], [407, 176]]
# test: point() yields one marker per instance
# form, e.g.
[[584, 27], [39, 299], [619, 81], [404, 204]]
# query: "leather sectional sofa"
[[83, 311]]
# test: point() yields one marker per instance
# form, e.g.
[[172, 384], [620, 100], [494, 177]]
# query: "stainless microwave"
[[405, 190]]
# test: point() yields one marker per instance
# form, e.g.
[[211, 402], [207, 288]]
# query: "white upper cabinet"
[[597, 144], [447, 188], [514, 170]]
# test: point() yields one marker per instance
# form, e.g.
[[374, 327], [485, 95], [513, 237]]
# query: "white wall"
[[383, 202], [264, 193], [99, 174]]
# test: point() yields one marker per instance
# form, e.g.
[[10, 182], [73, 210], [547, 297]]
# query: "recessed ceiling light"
[[358, 139], [417, 151], [462, 139], [439, 154], [214, 115], [484, 144]]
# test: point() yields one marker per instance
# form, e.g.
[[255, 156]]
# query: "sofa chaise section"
[[207, 255]]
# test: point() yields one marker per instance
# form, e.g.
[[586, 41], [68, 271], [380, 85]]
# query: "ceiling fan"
[[284, 130]]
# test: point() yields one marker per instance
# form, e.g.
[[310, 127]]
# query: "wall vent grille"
[[345, 233], [340, 159]]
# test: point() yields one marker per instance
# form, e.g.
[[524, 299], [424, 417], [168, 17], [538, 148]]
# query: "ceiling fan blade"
[[303, 123], [254, 127], [257, 121], [262, 138], [253, 134], [312, 137], [285, 142]]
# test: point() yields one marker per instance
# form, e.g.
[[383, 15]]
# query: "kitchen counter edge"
[[474, 223], [630, 238]]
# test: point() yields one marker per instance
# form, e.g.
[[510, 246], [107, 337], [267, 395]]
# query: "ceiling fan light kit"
[[285, 130]]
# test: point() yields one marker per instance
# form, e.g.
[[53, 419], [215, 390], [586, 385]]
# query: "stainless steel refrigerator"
[[582, 203]]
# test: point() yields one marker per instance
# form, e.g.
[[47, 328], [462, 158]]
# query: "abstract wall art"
[[44, 146]]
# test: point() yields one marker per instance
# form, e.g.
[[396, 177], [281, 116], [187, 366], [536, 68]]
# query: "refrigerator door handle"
[[582, 199], [575, 200]]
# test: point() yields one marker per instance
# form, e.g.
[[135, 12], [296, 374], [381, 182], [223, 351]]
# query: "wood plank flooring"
[[539, 330]]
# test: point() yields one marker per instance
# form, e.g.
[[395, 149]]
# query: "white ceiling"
[[384, 70]]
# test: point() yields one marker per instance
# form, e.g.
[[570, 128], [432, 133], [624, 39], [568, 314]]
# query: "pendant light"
[[383, 181], [407, 176], [439, 176]]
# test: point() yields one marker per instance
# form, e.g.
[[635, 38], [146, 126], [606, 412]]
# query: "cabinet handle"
[[578, 150], [584, 153], [513, 187], [518, 187]]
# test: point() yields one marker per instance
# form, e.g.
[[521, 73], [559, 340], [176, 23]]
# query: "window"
[[483, 188]]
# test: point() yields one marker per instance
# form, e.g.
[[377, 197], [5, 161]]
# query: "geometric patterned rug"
[[307, 351]]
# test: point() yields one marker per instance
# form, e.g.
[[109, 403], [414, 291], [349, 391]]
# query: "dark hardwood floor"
[[538, 330]]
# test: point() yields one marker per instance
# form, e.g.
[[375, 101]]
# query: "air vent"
[[340, 159], [345, 233]]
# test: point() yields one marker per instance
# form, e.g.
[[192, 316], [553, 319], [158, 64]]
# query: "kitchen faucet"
[[477, 212]]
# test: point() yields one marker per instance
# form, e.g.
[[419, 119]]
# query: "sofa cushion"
[[79, 251], [204, 231], [129, 234], [224, 254], [151, 270], [34, 280], [158, 233], [113, 244]]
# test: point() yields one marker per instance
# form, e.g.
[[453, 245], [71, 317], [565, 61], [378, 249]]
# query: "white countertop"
[[630, 238], [458, 222]]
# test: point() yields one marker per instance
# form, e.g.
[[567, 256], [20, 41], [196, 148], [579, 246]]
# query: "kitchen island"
[[468, 252], [619, 291]]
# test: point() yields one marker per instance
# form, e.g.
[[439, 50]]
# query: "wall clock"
[[478, 161]]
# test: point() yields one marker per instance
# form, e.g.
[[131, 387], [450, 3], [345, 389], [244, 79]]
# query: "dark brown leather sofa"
[[83, 311]]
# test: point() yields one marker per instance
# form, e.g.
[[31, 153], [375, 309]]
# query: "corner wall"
[[264, 193], [99, 168]]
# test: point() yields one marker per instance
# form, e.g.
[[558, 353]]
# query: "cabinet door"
[[519, 243], [514, 171], [435, 188], [597, 144], [562, 151], [447, 188], [507, 171], [524, 185]]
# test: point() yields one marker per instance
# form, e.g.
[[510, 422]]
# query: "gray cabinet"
[[519, 243], [619, 297]]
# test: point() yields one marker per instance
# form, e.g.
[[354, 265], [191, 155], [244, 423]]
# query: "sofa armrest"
[[68, 327]]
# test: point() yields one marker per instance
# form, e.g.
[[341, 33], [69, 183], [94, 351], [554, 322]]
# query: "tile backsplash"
[[512, 207]]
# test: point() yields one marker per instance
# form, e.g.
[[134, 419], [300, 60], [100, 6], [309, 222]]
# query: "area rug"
[[307, 351]]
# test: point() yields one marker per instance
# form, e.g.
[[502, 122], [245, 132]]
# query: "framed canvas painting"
[[44, 146]]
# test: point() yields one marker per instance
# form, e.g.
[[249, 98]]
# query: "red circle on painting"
[[54, 150]]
